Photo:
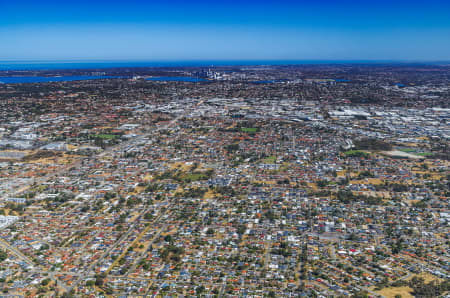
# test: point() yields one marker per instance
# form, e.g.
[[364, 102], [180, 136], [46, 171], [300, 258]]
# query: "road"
[[136, 263], [86, 273], [222, 288], [77, 163], [364, 288], [36, 268], [17, 252], [266, 261]]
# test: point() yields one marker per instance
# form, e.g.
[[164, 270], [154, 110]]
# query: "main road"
[[77, 163]]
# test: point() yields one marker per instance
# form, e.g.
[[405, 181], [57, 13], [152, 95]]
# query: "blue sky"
[[225, 30]]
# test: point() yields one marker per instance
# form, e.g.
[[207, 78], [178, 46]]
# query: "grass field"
[[424, 154], [270, 159], [405, 292], [249, 129], [356, 153], [104, 136], [414, 151]]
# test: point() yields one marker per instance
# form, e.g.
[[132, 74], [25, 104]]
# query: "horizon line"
[[216, 59], [56, 64]]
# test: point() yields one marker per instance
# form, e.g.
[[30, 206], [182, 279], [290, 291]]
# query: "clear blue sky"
[[225, 30]]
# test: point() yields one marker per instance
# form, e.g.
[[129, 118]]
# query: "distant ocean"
[[55, 65]]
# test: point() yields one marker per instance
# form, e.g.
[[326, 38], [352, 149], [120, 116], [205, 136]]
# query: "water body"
[[177, 79], [269, 81], [83, 64], [38, 79], [263, 82]]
